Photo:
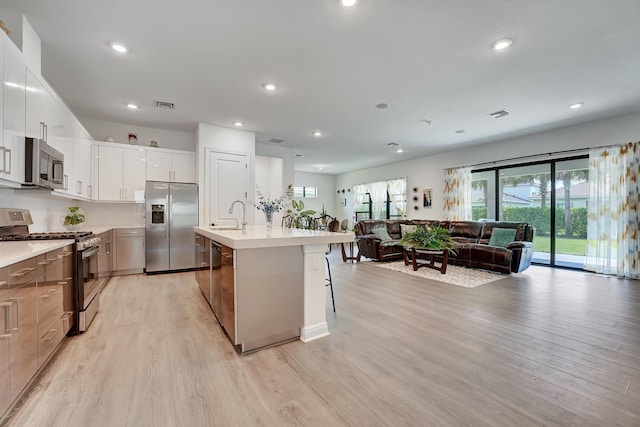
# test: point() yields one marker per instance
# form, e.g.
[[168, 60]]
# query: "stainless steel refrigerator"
[[171, 213]]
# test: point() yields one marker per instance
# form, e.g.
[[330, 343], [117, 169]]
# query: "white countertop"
[[12, 252], [260, 237]]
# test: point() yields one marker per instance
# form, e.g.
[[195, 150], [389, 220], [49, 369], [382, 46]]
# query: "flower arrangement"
[[266, 205]]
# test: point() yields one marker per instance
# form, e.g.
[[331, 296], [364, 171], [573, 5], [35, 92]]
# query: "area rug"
[[459, 276]]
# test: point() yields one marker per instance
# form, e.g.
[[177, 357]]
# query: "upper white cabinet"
[[164, 165], [12, 111], [121, 173]]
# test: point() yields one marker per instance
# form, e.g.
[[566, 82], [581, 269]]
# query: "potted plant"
[[300, 218], [73, 218], [431, 238]]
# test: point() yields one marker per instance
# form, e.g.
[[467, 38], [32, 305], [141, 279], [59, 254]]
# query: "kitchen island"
[[268, 286]]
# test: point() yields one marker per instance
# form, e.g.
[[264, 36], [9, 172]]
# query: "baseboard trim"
[[310, 333]]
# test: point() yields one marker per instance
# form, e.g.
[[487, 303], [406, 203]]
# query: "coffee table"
[[430, 261]]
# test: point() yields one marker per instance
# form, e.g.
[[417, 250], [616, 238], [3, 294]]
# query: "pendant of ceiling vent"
[[276, 140], [164, 104], [498, 114]]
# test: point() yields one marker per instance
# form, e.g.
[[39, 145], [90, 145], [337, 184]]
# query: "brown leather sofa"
[[472, 238]]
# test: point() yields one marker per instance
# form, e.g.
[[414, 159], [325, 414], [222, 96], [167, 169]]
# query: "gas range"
[[14, 226]]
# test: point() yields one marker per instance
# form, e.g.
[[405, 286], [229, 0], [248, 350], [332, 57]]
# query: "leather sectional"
[[471, 237]]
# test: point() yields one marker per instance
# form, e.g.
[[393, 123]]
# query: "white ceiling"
[[429, 60]]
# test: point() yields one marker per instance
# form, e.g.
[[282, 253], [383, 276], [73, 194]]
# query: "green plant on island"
[[74, 216], [432, 238]]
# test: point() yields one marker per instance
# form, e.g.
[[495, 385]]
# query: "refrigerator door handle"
[[170, 209]]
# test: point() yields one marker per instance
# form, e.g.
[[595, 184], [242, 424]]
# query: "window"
[[380, 200], [308, 192], [550, 195]]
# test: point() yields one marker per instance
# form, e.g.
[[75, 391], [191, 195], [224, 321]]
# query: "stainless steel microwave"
[[44, 165]]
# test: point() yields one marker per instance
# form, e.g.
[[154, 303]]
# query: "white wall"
[[326, 192], [46, 208], [268, 172], [100, 129], [288, 160], [428, 171]]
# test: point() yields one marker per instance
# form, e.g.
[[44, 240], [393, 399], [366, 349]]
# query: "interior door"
[[228, 180]]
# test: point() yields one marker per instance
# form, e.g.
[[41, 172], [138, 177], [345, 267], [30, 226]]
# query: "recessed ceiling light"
[[348, 3], [270, 86], [132, 106], [502, 44], [399, 150], [238, 124], [576, 105], [460, 131], [382, 106], [317, 133], [119, 47], [319, 168]]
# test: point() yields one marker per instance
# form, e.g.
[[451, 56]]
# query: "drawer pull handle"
[[23, 272], [50, 334]]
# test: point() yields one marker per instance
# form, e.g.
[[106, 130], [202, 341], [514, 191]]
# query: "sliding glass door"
[[571, 198], [551, 196]]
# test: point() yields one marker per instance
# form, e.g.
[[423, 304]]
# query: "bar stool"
[[330, 283]]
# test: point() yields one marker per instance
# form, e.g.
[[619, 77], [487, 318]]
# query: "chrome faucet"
[[244, 213]]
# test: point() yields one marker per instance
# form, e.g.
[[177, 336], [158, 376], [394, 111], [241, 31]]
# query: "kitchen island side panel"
[[270, 292]]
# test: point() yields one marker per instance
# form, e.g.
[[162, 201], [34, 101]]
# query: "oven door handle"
[[86, 254]]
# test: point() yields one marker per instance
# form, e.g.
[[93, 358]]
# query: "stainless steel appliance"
[[171, 214], [81, 299], [44, 165]]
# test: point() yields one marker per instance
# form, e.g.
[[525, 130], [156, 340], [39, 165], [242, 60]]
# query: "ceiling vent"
[[498, 114], [164, 104], [299, 156], [276, 141]]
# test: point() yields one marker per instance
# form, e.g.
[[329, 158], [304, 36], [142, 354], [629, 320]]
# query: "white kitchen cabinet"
[[121, 173], [130, 252], [82, 184], [170, 166], [13, 112]]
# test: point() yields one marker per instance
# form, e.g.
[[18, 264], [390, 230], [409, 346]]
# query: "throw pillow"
[[502, 236], [381, 233], [406, 229]]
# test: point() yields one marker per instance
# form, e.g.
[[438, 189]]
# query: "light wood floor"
[[545, 347]]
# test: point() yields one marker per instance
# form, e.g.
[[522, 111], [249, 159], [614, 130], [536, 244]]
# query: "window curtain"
[[359, 197], [612, 214], [378, 192], [457, 194], [398, 195]]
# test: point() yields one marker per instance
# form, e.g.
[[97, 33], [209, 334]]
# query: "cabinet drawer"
[[24, 272], [50, 298], [130, 232], [50, 334]]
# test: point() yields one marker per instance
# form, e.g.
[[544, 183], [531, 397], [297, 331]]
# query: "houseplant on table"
[[430, 238], [300, 218]]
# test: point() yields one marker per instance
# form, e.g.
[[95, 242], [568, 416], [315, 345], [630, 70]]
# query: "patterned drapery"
[[457, 194], [612, 215]]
